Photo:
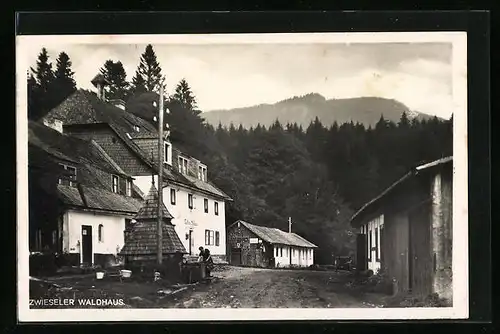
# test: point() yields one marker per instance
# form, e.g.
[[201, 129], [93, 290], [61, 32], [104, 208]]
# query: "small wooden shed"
[[260, 246], [140, 247], [407, 231]]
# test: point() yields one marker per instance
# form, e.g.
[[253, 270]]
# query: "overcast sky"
[[236, 75]]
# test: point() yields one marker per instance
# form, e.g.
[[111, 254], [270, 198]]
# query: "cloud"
[[229, 76]]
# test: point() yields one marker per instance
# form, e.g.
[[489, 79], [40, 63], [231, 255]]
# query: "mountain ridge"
[[304, 109]]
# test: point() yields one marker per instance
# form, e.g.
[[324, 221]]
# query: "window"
[[129, 188], [276, 251], [205, 203], [376, 244], [369, 234], [100, 233], [183, 165], [209, 238], [172, 196], [115, 183], [217, 238], [68, 175], [216, 208], [190, 201], [281, 251], [165, 152], [202, 173]]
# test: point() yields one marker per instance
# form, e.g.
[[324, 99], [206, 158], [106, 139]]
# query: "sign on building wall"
[[254, 240]]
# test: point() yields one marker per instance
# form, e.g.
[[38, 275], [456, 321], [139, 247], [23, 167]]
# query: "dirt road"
[[270, 288]]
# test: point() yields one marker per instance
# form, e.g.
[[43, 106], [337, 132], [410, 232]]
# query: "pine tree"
[[184, 95], [138, 85], [115, 73], [64, 84], [32, 96], [44, 77], [150, 71]]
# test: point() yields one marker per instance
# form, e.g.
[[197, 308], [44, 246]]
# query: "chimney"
[[100, 82], [289, 224], [119, 103]]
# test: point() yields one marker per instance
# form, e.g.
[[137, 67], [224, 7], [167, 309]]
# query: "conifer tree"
[[44, 77], [184, 95], [138, 85], [150, 71], [64, 84], [115, 73]]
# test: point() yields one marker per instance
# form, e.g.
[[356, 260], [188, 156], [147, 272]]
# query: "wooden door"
[[87, 244], [420, 251], [361, 252], [236, 256]]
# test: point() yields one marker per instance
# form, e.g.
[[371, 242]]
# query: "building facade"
[[407, 231], [197, 205], [259, 246], [80, 200]]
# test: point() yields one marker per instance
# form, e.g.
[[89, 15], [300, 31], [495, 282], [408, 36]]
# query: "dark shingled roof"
[[90, 160], [149, 211], [97, 199], [70, 148], [127, 126], [141, 240], [413, 172], [277, 236]]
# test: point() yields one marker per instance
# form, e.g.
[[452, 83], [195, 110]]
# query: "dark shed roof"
[[142, 239], [277, 236], [413, 172], [149, 211]]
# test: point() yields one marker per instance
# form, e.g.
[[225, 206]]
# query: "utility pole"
[[161, 145]]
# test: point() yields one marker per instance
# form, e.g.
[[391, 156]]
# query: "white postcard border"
[[460, 309]]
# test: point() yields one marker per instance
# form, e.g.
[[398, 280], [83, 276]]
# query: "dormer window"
[[166, 153], [128, 185], [69, 175], [202, 173], [114, 180], [183, 165]]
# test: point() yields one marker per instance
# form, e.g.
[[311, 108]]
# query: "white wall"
[[302, 257], [369, 229], [113, 232], [195, 219]]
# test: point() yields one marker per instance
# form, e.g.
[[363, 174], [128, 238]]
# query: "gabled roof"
[[149, 210], [413, 172], [127, 126], [93, 166], [70, 148], [277, 236], [91, 198]]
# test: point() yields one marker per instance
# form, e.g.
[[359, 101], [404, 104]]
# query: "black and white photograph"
[[242, 176]]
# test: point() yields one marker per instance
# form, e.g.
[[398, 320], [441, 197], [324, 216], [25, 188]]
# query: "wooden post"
[[161, 145]]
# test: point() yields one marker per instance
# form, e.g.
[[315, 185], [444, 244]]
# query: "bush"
[[432, 300], [43, 263]]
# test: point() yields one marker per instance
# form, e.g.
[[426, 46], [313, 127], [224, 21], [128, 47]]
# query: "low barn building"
[[140, 247], [407, 230], [259, 246]]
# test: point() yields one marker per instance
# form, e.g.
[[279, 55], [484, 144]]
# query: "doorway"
[[236, 256], [87, 244]]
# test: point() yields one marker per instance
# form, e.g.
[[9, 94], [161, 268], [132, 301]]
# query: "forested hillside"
[[304, 109], [317, 174]]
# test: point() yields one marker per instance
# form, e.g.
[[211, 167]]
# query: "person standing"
[[209, 262]]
